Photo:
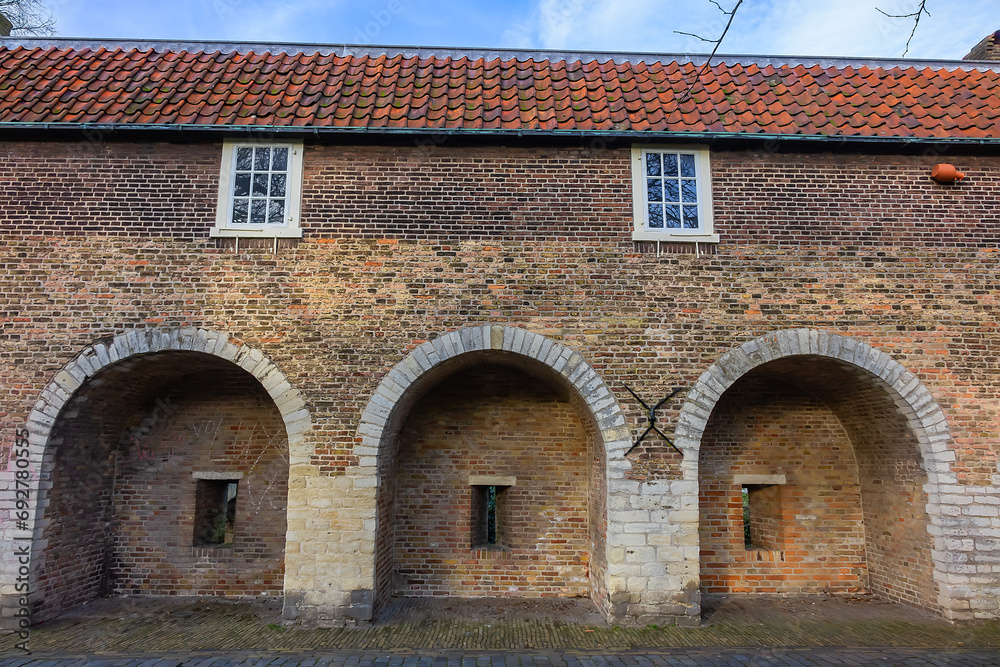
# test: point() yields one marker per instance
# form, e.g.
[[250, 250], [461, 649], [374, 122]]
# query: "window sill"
[[257, 233], [491, 551], [659, 248], [212, 550], [755, 554], [666, 237]]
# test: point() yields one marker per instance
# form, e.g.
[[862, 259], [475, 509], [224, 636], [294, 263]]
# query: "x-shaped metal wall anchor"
[[652, 419]]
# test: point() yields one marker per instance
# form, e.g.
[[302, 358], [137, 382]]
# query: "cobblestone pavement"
[[430, 658], [144, 632]]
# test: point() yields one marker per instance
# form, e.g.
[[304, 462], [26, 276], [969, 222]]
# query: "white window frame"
[[703, 172], [224, 225]]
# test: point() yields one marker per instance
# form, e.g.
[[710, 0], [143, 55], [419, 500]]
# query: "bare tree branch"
[[27, 17], [921, 10], [691, 34], [718, 42]]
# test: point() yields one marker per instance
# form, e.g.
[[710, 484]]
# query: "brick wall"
[[120, 513], [492, 421], [892, 483], [461, 194], [987, 49], [403, 244], [808, 534], [89, 188], [212, 431]]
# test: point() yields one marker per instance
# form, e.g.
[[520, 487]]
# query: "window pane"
[[260, 185], [691, 217], [670, 164], [242, 187], [687, 166], [671, 191], [652, 164], [241, 208], [244, 158], [279, 161], [654, 189], [690, 190], [261, 159], [258, 211], [276, 212], [278, 185], [656, 216], [672, 217]]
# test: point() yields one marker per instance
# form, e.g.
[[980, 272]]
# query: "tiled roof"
[[162, 87]]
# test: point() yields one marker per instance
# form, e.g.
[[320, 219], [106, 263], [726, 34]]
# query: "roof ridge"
[[473, 53]]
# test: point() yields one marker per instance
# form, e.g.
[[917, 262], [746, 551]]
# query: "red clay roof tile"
[[149, 87]]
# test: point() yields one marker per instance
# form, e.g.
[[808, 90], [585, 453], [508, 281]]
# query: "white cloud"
[[274, 21], [856, 28], [625, 25], [768, 27], [805, 27]]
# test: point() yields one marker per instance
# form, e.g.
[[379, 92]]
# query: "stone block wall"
[[404, 244]]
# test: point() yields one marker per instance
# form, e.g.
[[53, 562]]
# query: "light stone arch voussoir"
[[139, 342], [924, 416], [596, 395]]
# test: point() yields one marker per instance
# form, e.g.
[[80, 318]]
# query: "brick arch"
[[112, 353], [397, 393], [924, 418]]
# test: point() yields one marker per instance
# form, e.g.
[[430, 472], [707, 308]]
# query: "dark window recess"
[[747, 541], [487, 523], [763, 527], [215, 513], [491, 515]]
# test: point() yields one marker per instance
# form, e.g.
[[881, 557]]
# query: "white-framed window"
[[672, 194], [260, 190]]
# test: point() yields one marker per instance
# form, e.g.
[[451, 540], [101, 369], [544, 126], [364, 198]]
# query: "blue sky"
[[772, 27]]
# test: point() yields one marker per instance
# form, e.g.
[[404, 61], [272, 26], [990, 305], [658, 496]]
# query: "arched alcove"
[[164, 471], [575, 415], [844, 450]]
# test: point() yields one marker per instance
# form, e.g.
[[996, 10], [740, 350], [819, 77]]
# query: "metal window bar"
[[491, 515]]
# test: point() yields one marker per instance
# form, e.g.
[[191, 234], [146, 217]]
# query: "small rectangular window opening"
[[491, 515], [260, 190], [672, 195], [747, 542], [762, 521], [671, 190], [487, 528], [215, 512]]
